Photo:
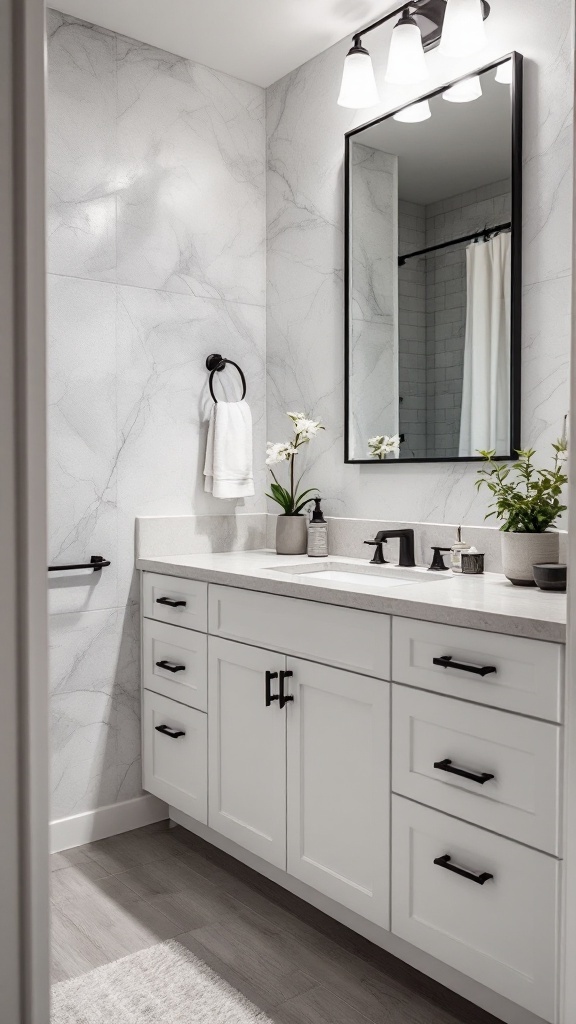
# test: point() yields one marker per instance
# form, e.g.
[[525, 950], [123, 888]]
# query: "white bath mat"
[[165, 984]]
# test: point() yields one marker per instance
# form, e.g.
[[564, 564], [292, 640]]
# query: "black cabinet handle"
[[167, 730], [446, 862], [284, 699], [269, 698], [447, 766], [446, 662], [170, 666], [170, 602]]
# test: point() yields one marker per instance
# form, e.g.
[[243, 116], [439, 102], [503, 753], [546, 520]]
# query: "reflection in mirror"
[[432, 275]]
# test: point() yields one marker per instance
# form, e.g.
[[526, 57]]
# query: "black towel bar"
[[97, 562]]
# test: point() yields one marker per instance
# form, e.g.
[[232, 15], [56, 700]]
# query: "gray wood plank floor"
[[127, 893]]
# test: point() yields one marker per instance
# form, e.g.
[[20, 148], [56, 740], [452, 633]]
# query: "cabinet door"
[[339, 786], [247, 750]]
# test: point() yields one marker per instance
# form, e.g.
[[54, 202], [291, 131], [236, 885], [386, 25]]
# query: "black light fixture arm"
[[357, 39]]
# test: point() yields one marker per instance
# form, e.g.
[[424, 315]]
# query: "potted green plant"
[[291, 525], [528, 501]]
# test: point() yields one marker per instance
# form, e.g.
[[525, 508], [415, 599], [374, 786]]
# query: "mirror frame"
[[516, 265]]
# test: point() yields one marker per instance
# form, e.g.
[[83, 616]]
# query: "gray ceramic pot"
[[521, 551], [292, 535]]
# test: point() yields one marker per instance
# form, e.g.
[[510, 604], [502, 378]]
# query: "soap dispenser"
[[317, 533], [457, 550]]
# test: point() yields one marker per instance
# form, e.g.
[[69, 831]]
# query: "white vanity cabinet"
[[405, 771]]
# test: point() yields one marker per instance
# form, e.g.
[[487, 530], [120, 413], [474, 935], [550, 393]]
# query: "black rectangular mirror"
[[433, 274]]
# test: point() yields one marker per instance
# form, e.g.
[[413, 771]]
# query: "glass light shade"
[[358, 87], [415, 112], [406, 60], [465, 91], [504, 73], [463, 31]]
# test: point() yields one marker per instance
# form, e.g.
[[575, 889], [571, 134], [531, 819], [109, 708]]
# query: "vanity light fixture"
[[504, 73], [415, 112], [465, 91], [423, 25]]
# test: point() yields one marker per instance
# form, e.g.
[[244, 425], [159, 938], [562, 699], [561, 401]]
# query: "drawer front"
[[525, 675], [178, 601], [175, 767], [343, 637], [176, 663], [520, 801], [502, 933]]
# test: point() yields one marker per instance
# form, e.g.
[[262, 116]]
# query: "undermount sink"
[[385, 578]]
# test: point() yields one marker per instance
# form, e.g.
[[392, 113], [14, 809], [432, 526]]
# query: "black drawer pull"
[[283, 698], [445, 862], [170, 666], [447, 766], [269, 698], [167, 730], [446, 662], [170, 602]]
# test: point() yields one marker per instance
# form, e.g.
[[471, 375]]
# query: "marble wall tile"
[[191, 203], [82, 439], [157, 252], [81, 149], [305, 130]]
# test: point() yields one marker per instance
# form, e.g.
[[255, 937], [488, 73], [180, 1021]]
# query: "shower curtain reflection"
[[485, 418]]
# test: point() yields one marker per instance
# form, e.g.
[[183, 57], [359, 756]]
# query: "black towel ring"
[[215, 363]]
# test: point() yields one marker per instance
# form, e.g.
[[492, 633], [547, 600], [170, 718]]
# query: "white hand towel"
[[228, 465]]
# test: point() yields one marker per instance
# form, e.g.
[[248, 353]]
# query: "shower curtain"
[[485, 418]]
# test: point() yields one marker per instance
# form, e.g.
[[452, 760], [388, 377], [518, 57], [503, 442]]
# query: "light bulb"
[[504, 73], [358, 87], [406, 60], [415, 112], [463, 31], [465, 91]]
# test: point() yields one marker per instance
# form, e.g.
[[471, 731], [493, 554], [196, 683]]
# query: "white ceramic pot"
[[291, 535], [520, 551]]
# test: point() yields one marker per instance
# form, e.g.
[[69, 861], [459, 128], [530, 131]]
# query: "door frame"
[[24, 890]]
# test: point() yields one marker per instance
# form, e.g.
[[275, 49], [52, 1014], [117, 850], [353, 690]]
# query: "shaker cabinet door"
[[339, 786], [247, 749]]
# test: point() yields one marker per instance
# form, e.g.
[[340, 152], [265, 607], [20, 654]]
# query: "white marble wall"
[[156, 178], [305, 259]]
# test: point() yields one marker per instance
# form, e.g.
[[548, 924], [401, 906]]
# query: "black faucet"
[[406, 547]]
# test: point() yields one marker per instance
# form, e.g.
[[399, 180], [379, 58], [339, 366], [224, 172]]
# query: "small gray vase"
[[291, 535], [521, 551]]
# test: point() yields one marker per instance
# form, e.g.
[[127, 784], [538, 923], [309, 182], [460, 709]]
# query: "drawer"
[[524, 675], [179, 601], [343, 637], [520, 801], [175, 754], [502, 933], [175, 663]]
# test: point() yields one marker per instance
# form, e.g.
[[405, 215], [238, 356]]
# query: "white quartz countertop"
[[486, 602]]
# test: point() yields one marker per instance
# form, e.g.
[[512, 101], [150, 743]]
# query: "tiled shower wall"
[[412, 330], [156, 258]]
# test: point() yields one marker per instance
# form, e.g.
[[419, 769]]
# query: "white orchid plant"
[[289, 499], [382, 445]]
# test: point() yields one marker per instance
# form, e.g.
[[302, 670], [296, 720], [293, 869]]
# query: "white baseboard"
[[106, 821]]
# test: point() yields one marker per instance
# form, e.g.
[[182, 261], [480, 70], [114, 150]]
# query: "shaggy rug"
[[165, 984]]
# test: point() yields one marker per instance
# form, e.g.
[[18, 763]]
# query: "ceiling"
[[259, 41], [433, 161]]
